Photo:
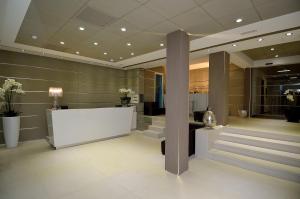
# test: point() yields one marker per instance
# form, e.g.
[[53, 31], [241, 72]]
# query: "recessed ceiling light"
[[276, 56], [289, 34], [234, 45], [239, 20], [161, 44], [121, 57], [77, 52], [62, 43], [128, 44], [272, 49], [123, 29], [260, 39], [105, 53], [132, 53], [96, 43], [284, 71], [81, 28], [111, 60], [23, 50], [34, 37]]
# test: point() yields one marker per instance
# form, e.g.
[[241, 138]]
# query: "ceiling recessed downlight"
[[272, 49], [161, 44], [62, 43], [112, 60], [77, 52], [34, 37], [121, 57], [284, 71], [128, 44], [239, 20], [105, 53], [123, 29], [260, 39], [81, 28], [132, 53], [276, 56], [96, 43], [289, 34], [234, 45]]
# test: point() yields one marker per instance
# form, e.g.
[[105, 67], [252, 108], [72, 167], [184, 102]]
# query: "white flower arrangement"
[[290, 94], [9, 89], [126, 91]]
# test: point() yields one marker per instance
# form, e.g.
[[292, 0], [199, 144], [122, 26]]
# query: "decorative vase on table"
[[125, 99], [10, 117]]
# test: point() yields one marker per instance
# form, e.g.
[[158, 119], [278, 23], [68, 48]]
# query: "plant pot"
[[11, 128], [292, 114], [125, 101]]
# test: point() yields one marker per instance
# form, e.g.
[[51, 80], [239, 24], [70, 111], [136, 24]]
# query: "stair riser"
[[275, 136], [263, 144], [158, 119], [158, 129], [256, 168], [159, 123], [153, 135], [260, 155]]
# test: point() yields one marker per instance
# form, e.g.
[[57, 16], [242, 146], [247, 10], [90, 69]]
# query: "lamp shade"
[[55, 92]]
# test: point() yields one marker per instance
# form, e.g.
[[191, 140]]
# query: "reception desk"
[[77, 126]]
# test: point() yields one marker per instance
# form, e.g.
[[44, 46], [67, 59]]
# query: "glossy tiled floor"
[[129, 167]]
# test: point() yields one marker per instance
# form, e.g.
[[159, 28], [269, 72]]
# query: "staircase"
[[157, 129], [274, 154]]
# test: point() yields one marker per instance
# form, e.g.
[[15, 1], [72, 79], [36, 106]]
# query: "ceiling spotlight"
[[272, 49], [62, 43], [128, 44], [161, 44], [284, 71], [77, 52], [123, 29], [121, 57], [96, 43], [105, 53], [111, 60], [81, 28], [260, 39], [34, 37], [239, 20], [23, 50], [289, 34], [276, 56], [132, 54], [234, 45]]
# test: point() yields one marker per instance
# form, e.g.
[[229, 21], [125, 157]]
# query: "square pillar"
[[177, 93], [218, 85]]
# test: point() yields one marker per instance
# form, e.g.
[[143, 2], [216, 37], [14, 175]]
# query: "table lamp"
[[55, 93]]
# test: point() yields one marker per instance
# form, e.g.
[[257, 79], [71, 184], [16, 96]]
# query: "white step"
[[261, 166], [153, 134], [160, 129], [281, 157], [292, 147], [159, 123], [158, 118], [263, 134]]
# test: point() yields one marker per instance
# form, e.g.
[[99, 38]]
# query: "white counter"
[[76, 126]]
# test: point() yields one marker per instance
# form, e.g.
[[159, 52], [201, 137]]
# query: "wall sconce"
[[55, 93]]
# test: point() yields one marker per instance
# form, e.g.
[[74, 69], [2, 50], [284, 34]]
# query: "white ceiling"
[[147, 22]]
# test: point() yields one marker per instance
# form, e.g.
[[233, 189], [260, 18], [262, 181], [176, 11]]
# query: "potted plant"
[[125, 99], [11, 117], [292, 112]]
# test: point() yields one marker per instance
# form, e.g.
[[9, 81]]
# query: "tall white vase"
[[11, 128]]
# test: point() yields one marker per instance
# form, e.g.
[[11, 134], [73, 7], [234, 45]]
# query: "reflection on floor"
[[273, 125], [127, 167]]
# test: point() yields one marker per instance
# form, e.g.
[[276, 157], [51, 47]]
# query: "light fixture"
[[123, 29], [260, 39], [55, 93], [239, 20], [161, 44], [276, 56], [234, 45], [96, 43], [34, 37], [272, 49], [105, 53], [293, 77], [121, 57], [23, 50], [132, 53], [81, 28], [112, 60], [128, 44], [77, 52], [289, 34], [62, 43], [284, 71]]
